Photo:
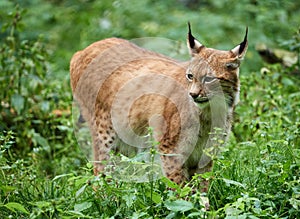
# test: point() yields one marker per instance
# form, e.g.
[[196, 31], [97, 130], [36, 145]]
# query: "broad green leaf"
[[5, 188], [40, 140], [77, 213], [288, 82], [206, 175], [169, 183], [194, 214], [137, 215], [81, 190], [45, 106], [171, 215], [228, 181], [17, 101], [129, 199], [62, 175], [63, 128], [156, 198], [16, 206], [179, 205], [82, 206], [185, 191], [41, 204]]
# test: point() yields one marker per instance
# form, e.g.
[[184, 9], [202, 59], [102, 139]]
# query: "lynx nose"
[[194, 95]]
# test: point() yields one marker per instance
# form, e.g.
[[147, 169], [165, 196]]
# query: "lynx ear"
[[241, 49], [193, 44]]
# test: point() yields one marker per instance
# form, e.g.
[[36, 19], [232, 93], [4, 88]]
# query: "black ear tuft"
[[191, 37], [244, 43]]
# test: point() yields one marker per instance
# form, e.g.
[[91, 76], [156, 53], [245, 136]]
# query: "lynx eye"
[[208, 79], [189, 76], [232, 65]]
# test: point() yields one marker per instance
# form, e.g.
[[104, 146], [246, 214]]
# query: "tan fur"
[[123, 89]]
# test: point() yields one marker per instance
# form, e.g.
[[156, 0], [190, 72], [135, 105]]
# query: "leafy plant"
[[32, 105], [23, 69]]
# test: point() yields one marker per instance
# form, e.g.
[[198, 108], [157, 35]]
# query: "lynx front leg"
[[205, 164], [172, 170], [103, 139]]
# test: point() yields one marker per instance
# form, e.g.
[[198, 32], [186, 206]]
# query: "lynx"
[[123, 89]]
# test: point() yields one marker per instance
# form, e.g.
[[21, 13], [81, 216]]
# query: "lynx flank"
[[123, 89]]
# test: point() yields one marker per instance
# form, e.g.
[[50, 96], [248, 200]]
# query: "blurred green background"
[[68, 25]]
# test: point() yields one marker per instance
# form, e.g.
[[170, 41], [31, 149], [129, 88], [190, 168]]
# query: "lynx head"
[[214, 72]]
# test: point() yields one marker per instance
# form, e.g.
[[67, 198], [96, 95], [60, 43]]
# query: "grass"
[[45, 174]]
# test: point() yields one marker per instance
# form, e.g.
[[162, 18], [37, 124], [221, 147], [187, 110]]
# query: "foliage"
[[43, 172], [23, 70], [267, 142], [31, 107]]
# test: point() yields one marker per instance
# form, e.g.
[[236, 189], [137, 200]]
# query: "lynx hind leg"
[[103, 136], [173, 164]]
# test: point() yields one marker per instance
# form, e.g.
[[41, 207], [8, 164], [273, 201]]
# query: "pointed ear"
[[193, 44], [240, 50]]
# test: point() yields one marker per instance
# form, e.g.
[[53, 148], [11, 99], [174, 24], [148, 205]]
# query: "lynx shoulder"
[[123, 89]]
